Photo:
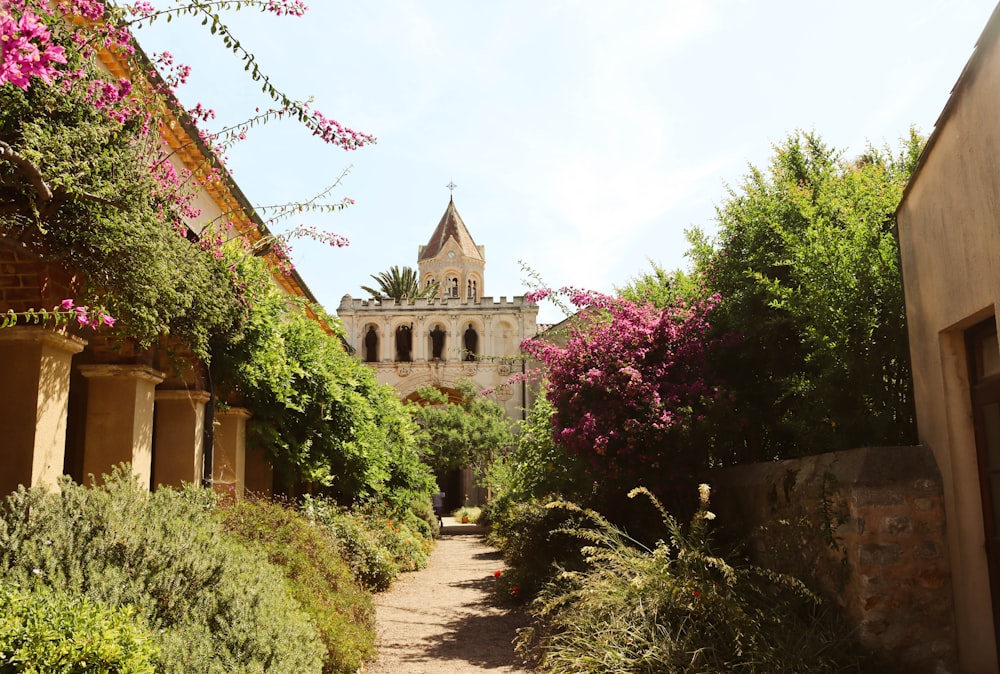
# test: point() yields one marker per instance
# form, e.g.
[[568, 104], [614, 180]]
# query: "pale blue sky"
[[584, 137]]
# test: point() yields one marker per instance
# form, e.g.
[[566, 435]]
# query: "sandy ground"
[[440, 620]]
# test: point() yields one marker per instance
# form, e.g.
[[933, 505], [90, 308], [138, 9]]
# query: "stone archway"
[[454, 395]]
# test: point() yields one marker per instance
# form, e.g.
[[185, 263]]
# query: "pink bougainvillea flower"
[[537, 295], [26, 50], [626, 379], [66, 304]]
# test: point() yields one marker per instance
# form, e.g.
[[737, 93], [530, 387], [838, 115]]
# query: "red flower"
[[497, 573]]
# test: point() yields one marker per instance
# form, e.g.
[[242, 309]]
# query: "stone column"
[[119, 428], [35, 363], [179, 437], [229, 452]]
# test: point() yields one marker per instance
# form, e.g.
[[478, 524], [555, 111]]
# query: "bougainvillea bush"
[[88, 181], [628, 385]]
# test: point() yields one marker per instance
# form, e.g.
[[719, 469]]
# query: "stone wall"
[[865, 528]]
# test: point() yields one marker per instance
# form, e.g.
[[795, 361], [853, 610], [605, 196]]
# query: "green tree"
[[469, 432], [400, 284], [806, 264], [660, 287], [319, 412], [537, 466]]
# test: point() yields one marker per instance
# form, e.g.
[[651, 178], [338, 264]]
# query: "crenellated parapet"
[[348, 303]]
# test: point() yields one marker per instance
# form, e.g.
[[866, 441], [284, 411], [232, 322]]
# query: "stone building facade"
[[459, 335]]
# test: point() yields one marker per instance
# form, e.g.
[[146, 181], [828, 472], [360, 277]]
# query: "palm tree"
[[400, 285]]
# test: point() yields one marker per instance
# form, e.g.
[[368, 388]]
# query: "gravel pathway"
[[440, 620]]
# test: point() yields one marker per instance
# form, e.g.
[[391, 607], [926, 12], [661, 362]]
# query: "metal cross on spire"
[[451, 187]]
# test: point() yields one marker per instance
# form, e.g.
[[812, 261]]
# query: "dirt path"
[[441, 620]]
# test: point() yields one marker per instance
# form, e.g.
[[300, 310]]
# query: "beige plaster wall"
[[949, 233], [229, 452]]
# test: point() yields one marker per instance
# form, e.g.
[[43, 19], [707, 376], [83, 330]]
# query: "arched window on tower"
[[404, 343], [453, 286], [371, 345], [471, 342], [472, 291], [437, 343]]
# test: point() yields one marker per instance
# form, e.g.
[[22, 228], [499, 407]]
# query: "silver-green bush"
[[214, 605]]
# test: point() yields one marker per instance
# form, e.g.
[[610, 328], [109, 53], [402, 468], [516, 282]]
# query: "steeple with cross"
[[451, 257]]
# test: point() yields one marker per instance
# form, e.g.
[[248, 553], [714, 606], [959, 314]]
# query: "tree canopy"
[[469, 432], [806, 265]]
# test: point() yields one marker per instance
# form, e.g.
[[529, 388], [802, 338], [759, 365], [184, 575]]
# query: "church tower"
[[453, 260], [460, 335]]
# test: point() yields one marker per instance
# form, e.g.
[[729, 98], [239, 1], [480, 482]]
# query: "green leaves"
[[805, 261], [470, 432], [43, 630], [318, 411]]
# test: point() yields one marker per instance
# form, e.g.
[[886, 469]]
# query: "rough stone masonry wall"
[[865, 528]]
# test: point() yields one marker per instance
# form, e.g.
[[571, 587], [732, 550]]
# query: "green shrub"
[[371, 564], [214, 605], [424, 520], [537, 465], [534, 545], [408, 548], [321, 580], [676, 607], [377, 546], [47, 632]]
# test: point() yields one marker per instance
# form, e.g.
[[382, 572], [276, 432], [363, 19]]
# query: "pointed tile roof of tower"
[[451, 226]]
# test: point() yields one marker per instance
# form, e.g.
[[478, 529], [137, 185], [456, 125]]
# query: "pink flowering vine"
[[52, 43], [26, 49], [628, 379], [65, 312]]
